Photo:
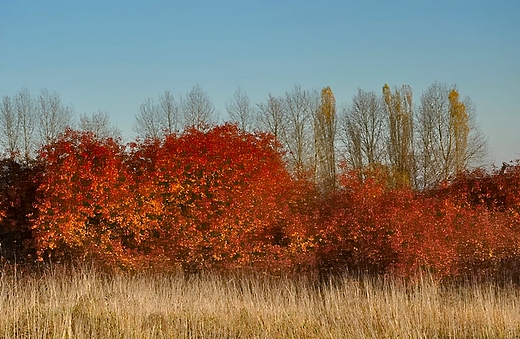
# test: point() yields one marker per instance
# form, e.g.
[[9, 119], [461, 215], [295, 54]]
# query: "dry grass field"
[[86, 303]]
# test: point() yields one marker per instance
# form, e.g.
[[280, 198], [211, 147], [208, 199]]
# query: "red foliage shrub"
[[353, 230], [453, 231], [215, 199], [488, 222], [495, 190], [86, 203]]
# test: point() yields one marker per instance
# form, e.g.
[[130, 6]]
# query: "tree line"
[[27, 122], [419, 144], [294, 183]]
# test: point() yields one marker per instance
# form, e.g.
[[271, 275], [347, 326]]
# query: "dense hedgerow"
[[222, 199]]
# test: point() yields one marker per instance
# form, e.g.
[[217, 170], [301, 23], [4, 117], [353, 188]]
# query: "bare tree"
[[448, 140], [240, 110], [198, 109], [364, 130], [271, 116], [54, 117], [291, 120], [9, 127], [298, 137], [99, 124], [351, 137], [169, 115], [26, 114], [156, 120], [477, 152], [434, 140], [148, 121]]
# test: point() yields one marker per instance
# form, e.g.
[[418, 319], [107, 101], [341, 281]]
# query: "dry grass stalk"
[[84, 303]]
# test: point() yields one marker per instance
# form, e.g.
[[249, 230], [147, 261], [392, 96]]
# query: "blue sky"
[[113, 55]]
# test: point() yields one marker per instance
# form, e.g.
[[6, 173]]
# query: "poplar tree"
[[459, 128], [325, 134], [400, 122]]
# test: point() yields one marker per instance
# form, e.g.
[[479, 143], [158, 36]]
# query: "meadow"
[[84, 302]]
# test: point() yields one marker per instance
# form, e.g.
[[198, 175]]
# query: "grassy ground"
[[84, 303]]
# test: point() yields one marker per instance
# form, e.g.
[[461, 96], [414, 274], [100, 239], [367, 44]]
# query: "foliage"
[[325, 133], [18, 184], [85, 201], [216, 198], [468, 227], [220, 198], [400, 121], [209, 199]]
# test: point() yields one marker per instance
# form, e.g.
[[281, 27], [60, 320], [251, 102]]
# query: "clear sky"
[[112, 55]]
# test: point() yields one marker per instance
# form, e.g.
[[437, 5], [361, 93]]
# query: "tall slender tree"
[[325, 135], [400, 120], [459, 123], [155, 120]]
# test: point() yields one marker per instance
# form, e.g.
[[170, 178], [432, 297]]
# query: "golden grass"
[[84, 303]]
